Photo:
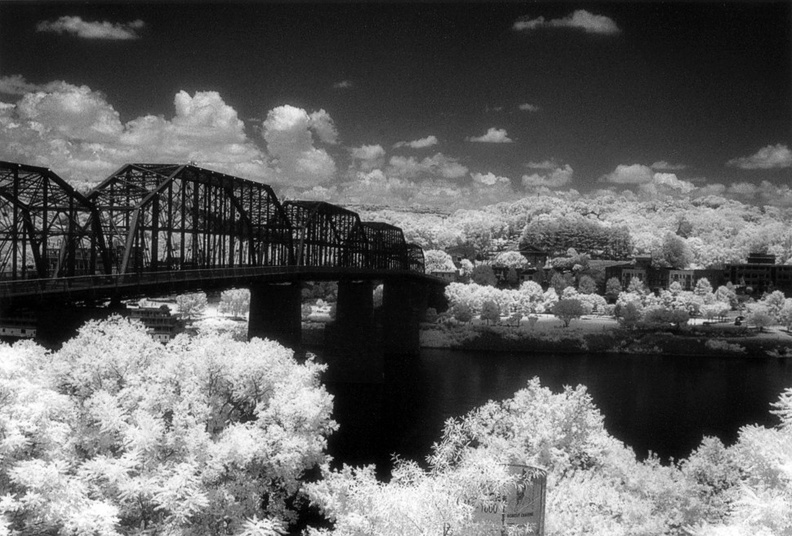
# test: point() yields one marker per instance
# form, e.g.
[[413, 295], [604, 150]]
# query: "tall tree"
[[235, 301], [490, 312], [675, 252], [191, 305], [203, 436], [437, 261], [567, 310], [483, 275]]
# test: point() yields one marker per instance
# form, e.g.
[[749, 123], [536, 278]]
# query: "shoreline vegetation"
[[597, 335]]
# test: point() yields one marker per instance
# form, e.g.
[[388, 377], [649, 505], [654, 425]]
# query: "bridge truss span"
[[148, 219], [169, 217], [47, 229]]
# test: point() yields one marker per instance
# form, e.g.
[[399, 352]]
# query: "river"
[[662, 404]]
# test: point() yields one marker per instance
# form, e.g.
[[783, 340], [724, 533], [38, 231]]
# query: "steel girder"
[[46, 227], [387, 248], [415, 258], [326, 235], [163, 217], [171, 217]]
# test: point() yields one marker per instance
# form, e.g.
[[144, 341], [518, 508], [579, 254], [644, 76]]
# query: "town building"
[[661, 278], [21, 324], [760, 274], [159, 322]]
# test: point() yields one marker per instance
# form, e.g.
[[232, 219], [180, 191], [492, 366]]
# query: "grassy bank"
[[604, 336]]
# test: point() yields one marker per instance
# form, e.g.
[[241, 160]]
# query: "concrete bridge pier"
[[275, 312], [352, 338], [404, 305], [355, 308]]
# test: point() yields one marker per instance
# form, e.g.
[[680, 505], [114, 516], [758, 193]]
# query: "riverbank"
[[605, 335]]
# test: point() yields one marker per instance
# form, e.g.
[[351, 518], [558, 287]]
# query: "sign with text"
[[523, 505]]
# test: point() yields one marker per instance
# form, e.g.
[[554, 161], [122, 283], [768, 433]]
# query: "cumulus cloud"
[[579, 19], [489, 179], [367, 157], [76, 132], [289, 133], [544, 164], [670, 180], [629, 174], [343, 84], [662, 165], [712, 189], [555, 178], [493, 135], [772, 156], [380, 186], [418, 144], [92, 30], [666, 183], [17, 85], [438, 165], [764, 193], [743, 189], [526, 107], [367, 152]]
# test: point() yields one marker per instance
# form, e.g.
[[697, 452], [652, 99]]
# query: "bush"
[[462, 313]]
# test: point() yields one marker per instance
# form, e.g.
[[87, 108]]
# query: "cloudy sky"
[[445, 104]]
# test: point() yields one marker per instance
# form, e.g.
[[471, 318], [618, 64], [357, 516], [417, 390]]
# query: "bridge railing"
[[122, 284]]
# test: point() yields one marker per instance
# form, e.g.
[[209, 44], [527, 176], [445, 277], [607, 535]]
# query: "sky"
[[442, 104]]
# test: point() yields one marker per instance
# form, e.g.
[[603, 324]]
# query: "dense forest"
[[716, 230]]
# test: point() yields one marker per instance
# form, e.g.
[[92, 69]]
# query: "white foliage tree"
[[204, 436]]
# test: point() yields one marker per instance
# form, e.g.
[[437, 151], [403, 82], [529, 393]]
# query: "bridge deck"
[[127, 286]]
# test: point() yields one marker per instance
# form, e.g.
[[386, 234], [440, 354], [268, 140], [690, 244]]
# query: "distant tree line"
[[557, 235]]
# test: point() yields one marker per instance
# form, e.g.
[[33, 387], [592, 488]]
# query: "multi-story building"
[[662, 278], [760, 274], [159, 321]]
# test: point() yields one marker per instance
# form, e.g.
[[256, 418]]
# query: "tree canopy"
[[117, 434], [557, 235]]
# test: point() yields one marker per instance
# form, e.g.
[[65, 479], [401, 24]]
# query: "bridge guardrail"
[[120, 282]]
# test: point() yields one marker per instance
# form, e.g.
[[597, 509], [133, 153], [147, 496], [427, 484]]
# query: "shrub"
[[723, 346], [462, 313]]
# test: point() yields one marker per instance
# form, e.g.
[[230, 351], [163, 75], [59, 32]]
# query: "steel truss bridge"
[[171, 228]]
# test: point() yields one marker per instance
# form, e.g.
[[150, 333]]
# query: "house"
[[21, 324], [458, 253], [535, 256]]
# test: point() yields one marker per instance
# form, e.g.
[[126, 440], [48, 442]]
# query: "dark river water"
[[652, 403]]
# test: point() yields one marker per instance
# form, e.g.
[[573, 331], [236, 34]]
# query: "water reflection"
[[652, 403]]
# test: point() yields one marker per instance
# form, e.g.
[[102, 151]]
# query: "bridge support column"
[[352, 338], [275, 312], [355, 307], [404, 304]]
